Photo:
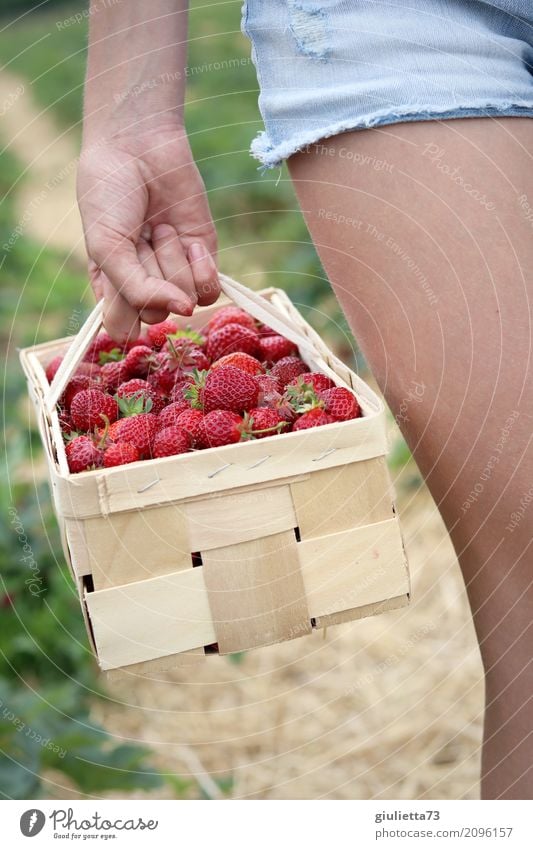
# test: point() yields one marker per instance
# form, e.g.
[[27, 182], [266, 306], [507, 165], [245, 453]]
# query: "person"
[[408, 135]]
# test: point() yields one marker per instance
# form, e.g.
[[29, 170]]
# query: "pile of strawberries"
[[175, 390]]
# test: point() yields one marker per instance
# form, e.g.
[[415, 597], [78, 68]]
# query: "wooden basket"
[[241, 546]]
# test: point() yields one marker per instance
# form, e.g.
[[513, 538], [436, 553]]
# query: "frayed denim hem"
[[272, 155]]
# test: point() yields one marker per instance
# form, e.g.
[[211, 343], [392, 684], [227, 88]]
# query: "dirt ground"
[[382, 708]]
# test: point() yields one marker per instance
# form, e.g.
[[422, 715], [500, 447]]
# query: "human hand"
[[149, 234]]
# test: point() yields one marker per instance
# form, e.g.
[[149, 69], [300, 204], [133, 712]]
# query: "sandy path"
[[46, 199]]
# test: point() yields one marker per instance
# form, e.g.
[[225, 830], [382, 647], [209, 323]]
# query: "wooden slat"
[[235, 518], [363, 611], [353, 568], [160, 669], [170, 614], [77, 547], [256, 593], [151, 482], [150, 619], [338, 499], [138, 545]]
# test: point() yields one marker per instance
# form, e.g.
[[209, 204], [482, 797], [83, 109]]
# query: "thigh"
[[426, 233]]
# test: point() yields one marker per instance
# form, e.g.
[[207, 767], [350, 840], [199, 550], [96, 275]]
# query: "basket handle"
[[245, 298]]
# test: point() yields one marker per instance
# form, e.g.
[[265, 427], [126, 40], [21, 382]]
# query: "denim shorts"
[[337, 65]]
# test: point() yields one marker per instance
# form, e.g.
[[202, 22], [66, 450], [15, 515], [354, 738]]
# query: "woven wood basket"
[[241, 546]]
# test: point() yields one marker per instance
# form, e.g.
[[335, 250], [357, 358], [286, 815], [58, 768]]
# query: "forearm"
[[136, 66]]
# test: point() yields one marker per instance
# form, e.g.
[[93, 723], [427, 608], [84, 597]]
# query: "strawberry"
[[230, 315], [90, 406], [52, 367], [171, 440], [231, 338], [287, 369], [139, 429], [229, 388], [189, 421], [318, 381], [276, 347], [113, 374], [120, 453], [341, 403], [83, 454], [136, 343], [264, 421], [75, 385], [139, 360], [65, 422], [157, 333], [136, 387], [243, 361], [219, 427], [313, 418], [102, 344], [269, 389], [178, 390], [92, 369], [178, 358], [169, 415], [108, 433]]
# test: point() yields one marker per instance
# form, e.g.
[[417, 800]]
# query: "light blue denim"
[[325, 68]]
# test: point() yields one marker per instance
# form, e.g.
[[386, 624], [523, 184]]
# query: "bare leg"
[[434, 273]]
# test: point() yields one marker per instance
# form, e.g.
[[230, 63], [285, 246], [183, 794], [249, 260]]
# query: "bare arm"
[[150, 238]]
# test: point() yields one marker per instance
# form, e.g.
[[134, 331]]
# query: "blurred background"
[[383, 708]]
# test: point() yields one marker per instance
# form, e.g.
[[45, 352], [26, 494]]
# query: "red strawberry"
[[52, 367], [65, 422], [103, 343], [120, 453], [229, 388], [138, 388], [113, 374], [108, 434], [178, 358], [92, 369], [243, 361], [313, 418], [83, 454], [169, 415], [287, 369], [142, 340], [264, 421], [171, 440], [76, 384], [140, 430], [341, 403], [219, 427], [179, 388], [319, 382], [231, 338], [139, 360], [89, 407], [230, 315], [269, 390], [157, 333], [189, 421], [274, 348]]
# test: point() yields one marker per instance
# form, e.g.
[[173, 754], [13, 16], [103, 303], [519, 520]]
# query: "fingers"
[[96, 280], [173, 262], [149, 262], [118, 259], [205, 274], [121, 320]]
